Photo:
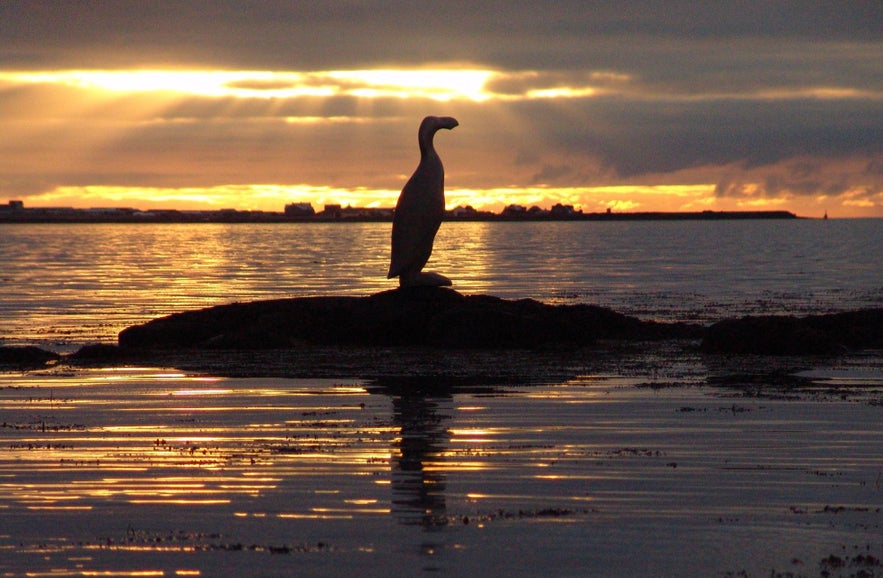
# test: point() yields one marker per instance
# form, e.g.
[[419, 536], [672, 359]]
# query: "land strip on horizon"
[[16, 212]]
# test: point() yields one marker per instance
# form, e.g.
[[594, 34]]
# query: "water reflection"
[[150, 469], [418, 479], [423, 411]]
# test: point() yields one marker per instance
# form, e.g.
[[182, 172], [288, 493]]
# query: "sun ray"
[[201, 138], [436, 84]]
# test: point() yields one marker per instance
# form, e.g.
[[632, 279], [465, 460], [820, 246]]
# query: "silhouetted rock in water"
[[25, 357], [97, 354], [785, 335], [418, 316], [440, 317]]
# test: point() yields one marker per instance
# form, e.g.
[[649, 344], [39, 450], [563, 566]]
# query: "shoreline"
[[357, 215]]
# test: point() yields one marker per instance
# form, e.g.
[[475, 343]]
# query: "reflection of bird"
[[419, 211]]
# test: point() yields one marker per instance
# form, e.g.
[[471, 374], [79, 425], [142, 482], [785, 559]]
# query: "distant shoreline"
[[348, 215]]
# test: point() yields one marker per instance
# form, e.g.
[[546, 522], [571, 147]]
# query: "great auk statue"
[[419, 212]]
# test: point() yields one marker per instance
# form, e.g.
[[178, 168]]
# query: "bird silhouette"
[[419, 212]]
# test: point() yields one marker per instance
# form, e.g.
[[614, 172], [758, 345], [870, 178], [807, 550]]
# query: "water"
[[646, 460], [140, 471], [65, 285]]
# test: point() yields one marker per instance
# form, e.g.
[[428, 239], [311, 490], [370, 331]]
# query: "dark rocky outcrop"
[[424, 316], [25, 357], [98, 354], [785, 335], [441, 317]]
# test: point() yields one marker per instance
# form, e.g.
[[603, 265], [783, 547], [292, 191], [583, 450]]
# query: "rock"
[[441, 317], [418, 316], [25, 357], [787, 335], [98, 353], [772, 335], [860, 329]]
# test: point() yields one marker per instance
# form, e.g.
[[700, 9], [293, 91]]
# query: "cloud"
[[279, 34], [552, 173], [634, 138], [757, 100], [819, 179]]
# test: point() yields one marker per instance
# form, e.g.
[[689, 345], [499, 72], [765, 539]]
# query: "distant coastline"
[[16, 212]]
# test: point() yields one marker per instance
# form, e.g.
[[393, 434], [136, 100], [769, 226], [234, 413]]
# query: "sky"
[[626, 105]]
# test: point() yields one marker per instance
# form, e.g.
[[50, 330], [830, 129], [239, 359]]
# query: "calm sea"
[[65, 285], [651, 461]]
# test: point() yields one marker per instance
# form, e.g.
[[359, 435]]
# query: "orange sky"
[[779, 121]]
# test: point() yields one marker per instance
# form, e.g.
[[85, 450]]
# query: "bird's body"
[[419, 211]]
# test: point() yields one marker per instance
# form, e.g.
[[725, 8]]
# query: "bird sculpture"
[[419, 212]]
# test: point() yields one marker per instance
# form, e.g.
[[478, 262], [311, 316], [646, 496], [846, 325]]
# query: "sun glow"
[[241, 84], [441, 84], [562, 92], [183, 139], [273, 197]]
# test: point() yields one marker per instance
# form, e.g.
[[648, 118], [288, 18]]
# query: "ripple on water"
[[144, 469]]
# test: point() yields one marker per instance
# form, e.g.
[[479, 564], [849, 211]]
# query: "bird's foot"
[[424, 279]]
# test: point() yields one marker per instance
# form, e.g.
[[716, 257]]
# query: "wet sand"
[[648, 462]]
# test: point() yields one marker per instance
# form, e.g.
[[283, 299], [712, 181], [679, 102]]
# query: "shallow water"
[[65, 285], [141, 471], [642, 462]]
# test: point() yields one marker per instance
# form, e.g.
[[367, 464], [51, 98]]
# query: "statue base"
[[425, 279]]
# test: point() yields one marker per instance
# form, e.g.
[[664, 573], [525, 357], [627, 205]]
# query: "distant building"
[[299, 210], [461, 211], [332, 212], [353, 213], [108, 211], [366, 213], [13, 206], [560, 210], [514, 211]]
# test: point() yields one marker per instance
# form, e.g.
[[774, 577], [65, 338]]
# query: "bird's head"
[[431, 124], [448, 122]]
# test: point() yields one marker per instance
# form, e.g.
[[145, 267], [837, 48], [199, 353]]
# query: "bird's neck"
[[427, 150]]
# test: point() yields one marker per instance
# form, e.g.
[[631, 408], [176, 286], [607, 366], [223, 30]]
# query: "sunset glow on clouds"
[[694, 113]]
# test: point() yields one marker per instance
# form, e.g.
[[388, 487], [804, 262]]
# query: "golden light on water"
[[341, 458], [138, 474], [201, 392]]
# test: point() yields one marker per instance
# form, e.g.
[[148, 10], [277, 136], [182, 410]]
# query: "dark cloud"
[[808, 177], [552, 174], [875, 167], [636, 137], [316, 35]]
